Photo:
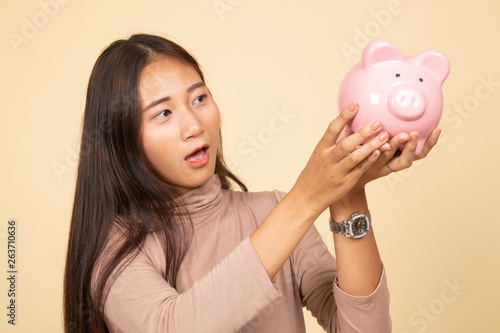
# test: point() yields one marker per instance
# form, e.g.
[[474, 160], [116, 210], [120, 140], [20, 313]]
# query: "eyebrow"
[[167, 98]]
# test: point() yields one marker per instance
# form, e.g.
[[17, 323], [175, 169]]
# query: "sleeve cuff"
[[364, 313], [379, 291]]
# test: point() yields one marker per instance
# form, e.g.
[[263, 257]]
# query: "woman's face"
[[180, 123]]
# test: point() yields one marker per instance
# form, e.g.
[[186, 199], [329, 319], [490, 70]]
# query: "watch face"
[[359, 226]]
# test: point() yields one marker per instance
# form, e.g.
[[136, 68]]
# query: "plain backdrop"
[[267, 63]]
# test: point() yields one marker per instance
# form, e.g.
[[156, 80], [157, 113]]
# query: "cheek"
[[215, 120], [157, 152], [148, 149]]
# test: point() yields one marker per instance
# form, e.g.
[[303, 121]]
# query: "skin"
[[334, 177], [179, 116]]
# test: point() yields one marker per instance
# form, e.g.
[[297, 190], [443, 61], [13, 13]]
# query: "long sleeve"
[[224, 300], [336, 311]]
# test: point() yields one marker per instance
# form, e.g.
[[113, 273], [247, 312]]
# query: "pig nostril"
[[398, 75], [421, 80]]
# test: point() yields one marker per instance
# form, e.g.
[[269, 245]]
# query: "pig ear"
[[379, 51], [436, 62]]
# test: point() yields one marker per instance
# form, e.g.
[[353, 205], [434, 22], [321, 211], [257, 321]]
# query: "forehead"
[[166, 73]]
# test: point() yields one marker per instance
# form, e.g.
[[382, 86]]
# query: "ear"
[[379, 51], [436, 62]]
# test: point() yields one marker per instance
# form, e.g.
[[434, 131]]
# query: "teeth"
[[196, 155]]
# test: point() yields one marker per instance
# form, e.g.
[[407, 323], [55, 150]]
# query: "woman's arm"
[[224, 299], [358, 260], [316, 273], [332, 171], [335, 177]]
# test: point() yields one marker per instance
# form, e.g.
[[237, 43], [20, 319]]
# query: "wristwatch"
[[356, 227]]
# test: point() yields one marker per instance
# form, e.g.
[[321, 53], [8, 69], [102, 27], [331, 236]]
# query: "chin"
[[194, 182]]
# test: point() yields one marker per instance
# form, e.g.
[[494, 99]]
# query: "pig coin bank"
[[403, 93]]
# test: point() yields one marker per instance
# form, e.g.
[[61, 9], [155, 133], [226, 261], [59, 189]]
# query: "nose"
[[406, 103], [191, 126]]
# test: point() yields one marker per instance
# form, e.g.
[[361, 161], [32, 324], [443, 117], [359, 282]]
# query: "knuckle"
[[331, 127], [407, 164], [366, 132], [353, 159], [362, 166], [345, 116], [342, 148]]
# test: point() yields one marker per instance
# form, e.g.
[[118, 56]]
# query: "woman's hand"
[[336, 166], [392, 160]]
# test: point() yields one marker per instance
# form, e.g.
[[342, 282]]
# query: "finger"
[[338, 124], [394, 145], [356, 157], [364, 165], [341, 136], [405, 160], [353, 141], [429, 144]]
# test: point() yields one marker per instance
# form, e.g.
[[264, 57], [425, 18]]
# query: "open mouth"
[[199, 157], [197, 154]]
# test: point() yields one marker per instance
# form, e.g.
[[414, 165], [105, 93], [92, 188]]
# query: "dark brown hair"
[[115, 186]]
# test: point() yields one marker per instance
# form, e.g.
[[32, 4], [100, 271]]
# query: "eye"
[[421, 80], [163, 114], [398, 75], [200, 99]]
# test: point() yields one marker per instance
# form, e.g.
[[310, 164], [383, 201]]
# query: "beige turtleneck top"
[[223, 287]]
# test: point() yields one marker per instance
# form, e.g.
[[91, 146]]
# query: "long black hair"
[[115, 186]]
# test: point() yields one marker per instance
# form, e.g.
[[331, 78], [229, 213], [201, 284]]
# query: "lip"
[[201, 160]]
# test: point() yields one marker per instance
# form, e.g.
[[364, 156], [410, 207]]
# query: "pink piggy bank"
[[403, 93]]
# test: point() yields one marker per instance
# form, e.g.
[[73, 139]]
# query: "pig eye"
[[421, 80], [398, 75]]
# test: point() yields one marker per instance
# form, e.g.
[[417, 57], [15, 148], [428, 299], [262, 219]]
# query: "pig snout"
[[406, 103]]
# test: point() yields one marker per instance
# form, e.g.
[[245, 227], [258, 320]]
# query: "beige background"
[[437, 224]]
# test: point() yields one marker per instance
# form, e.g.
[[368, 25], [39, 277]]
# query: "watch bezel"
[[360, 232]]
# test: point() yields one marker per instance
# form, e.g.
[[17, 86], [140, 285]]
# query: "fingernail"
[[437, 133], [383, 137], [352, 107], [414, 136], [375, 126]]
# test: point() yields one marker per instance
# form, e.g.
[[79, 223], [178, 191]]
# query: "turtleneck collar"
[[202, 200]]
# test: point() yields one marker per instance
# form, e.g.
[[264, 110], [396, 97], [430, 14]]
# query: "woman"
[[160, 243]]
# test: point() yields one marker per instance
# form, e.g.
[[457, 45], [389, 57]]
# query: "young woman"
[[160, 243]]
